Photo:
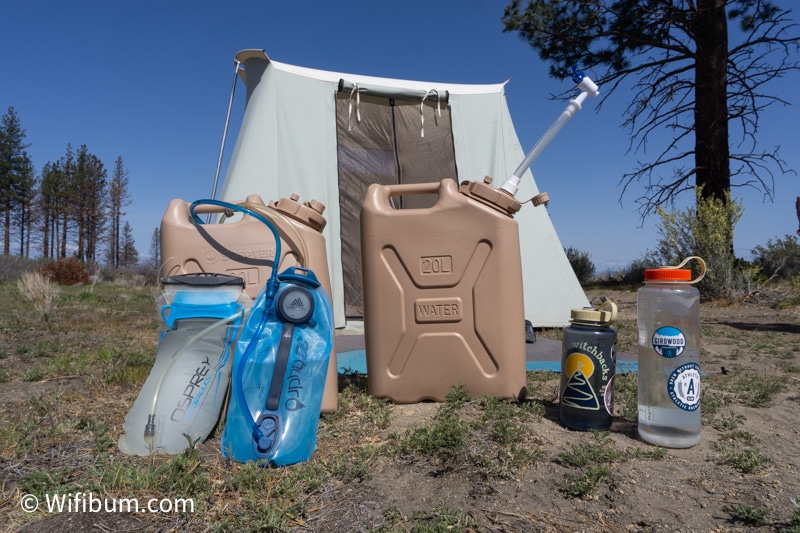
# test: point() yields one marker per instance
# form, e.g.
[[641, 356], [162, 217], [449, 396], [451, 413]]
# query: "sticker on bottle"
[[669, 341], [684, 386]]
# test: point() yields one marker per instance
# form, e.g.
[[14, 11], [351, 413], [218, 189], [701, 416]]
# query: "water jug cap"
[[486, 194], [676, 273], [602, 315], [308, 213]]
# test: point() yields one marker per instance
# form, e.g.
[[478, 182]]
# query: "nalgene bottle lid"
[[676, 273], [603, 315], [668, 274]]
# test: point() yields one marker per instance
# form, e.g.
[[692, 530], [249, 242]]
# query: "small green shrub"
[[779, 259], [747, 514], [705, 230], [744, 459], [601, 451], [584, 484], [444, 439], [581, 263]]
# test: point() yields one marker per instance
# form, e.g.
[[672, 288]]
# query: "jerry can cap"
[[309, 213], [604, 314]]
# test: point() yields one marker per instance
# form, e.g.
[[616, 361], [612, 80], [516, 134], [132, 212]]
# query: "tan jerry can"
[[443, 299], [246, 248]]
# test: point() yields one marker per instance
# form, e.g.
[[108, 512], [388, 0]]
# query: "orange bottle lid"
[[668, 274]]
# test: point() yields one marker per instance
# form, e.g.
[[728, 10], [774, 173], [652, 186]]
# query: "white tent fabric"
[[287, 144]]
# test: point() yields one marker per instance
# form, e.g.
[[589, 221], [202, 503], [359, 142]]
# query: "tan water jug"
[[443, 300], [246, 248]]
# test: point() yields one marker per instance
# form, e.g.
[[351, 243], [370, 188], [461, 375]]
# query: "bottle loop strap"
[[702, 267]]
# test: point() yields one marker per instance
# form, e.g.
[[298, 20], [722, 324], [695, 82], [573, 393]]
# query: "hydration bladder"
[[280, 364], [279, 374], [181, 399]]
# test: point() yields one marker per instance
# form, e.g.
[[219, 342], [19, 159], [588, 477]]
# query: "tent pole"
[[224, 134]]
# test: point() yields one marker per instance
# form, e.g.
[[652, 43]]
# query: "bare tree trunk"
[[7, 232], [712, 152]]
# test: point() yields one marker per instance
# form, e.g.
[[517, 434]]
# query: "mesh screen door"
[[385, 146]]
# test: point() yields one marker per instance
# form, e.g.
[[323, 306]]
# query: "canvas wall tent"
[[326, 136]]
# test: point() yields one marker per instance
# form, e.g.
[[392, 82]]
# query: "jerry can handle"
[[207, 209], [385, 192]]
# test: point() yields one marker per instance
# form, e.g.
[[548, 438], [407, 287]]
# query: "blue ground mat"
[[544, 354]]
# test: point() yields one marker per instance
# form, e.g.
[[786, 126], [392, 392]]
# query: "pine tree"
[[15, 172], [129, 256], [155, 250], [89, 195], [689, 78], [119, 197]]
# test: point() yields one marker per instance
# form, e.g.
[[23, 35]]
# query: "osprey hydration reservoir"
[[183, 395]]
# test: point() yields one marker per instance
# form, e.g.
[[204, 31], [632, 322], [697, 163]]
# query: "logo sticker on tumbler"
[[669, 341], [684, 386]]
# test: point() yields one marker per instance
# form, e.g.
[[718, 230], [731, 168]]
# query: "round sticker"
[[669, 341], [684, 386]]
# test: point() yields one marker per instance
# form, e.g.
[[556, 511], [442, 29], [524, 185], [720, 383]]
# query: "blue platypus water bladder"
[[279, 373]]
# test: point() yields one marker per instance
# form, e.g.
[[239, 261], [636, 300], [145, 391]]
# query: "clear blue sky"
[[150, 81]]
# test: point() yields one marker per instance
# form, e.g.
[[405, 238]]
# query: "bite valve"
[[150, 429]]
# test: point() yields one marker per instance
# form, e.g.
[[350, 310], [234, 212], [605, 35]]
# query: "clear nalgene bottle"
[[669, 356], [588, 365]]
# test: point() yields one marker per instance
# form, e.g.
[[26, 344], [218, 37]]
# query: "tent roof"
[[287, 144], [371, 81]]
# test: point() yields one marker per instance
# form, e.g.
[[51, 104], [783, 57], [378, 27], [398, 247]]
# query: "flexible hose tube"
[[296, 240], [150, 426], [271, 290]]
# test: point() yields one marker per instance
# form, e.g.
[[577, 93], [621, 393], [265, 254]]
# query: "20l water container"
[[668, 308], [183, 395], [245, 248], [443, 300]]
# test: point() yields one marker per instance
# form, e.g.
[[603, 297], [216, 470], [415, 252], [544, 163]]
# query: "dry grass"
[[40, 291], [464, 465]]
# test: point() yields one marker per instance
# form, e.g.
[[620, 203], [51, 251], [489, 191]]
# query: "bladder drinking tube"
[[588, 88], [272, 288], [150, 426]]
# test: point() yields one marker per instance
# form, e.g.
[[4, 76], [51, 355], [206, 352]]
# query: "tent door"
[[385, 146]]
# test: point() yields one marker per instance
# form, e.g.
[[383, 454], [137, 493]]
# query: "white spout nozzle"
[[588, 88]]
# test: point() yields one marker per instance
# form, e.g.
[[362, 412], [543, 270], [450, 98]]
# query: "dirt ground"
[[698, 489], [687, 490]]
